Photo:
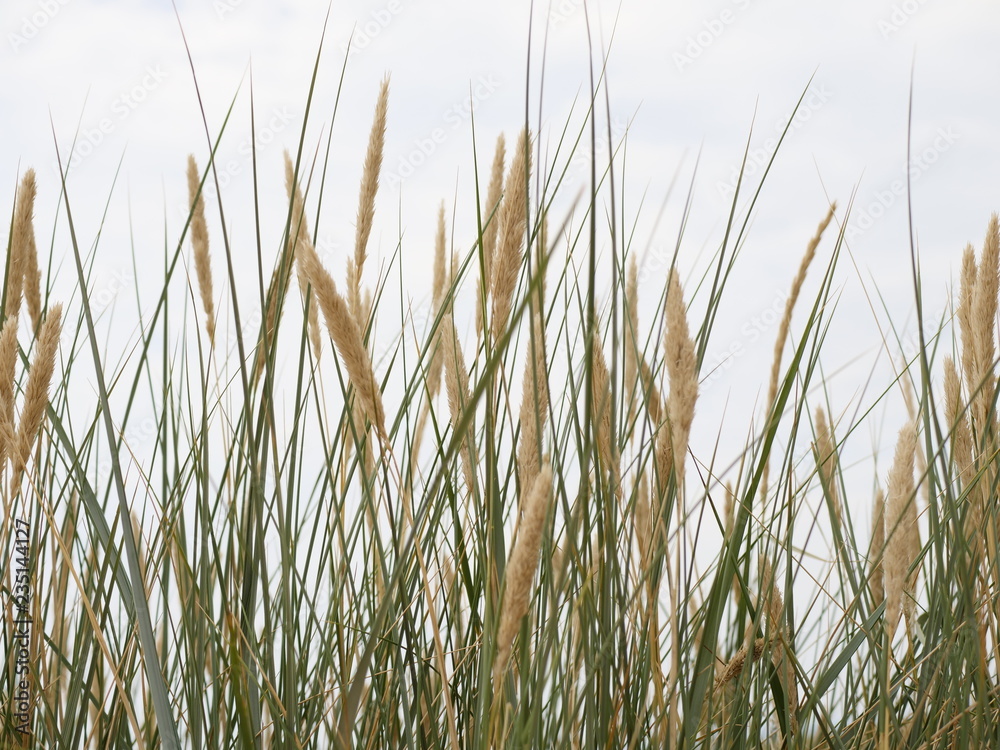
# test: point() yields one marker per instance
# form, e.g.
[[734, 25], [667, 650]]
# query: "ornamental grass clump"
[[501, 512]]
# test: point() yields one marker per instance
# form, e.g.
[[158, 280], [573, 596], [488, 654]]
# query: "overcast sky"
[[687, 81]]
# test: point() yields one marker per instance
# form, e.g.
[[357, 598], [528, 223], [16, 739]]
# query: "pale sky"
[[686, 78]]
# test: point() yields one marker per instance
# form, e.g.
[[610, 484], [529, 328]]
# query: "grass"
[[481, 537]]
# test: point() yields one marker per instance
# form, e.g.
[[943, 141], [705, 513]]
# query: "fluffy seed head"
[[966, 295], [437, 300], [601, 387], [786, 320], [774, 607], [36, 392], [682, 366], [32, 276], [534, 402], [493, 193], [347, 337], [457, 385], [900, 527], [826, 460], [734, 667], [510, 239], [876, 549], [22, 241], [984, 313], [366, 201], [199, 243], [8, 366], [521, 566]]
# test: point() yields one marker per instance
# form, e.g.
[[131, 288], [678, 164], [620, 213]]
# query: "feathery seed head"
[[521, 567], [366, 201], [347, 337], [900, 527], [513, 214], [22, 241], [199, 243]]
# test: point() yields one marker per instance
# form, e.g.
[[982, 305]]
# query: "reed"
[[564, 549], [521, 566], [512, 223], [786, 321], [199, 245]]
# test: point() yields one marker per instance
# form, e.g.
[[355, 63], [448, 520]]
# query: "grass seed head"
[[199, 243]]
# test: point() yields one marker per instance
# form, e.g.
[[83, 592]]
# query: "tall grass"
[[489, 535]]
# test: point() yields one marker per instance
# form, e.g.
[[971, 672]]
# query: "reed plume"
[[459, 398], [493, 194], [22, 242], [513, 214], [534, 397], [32, 276], [303, 247], [962, 456], [655, 407], [786, 320], [600, 381], [682, 367], [984, 313], [437, 301], [347, 337], [734, 667], [967, 291], [900, 530], [876, 550], [36, 392], [521, 567], [199, 243], [8, 368], [366, 202], [826, 461]]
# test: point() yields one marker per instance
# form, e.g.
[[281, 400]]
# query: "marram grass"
[[495, 530]]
